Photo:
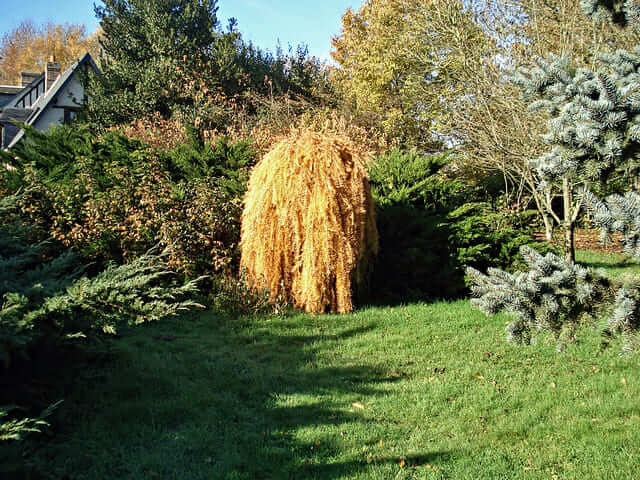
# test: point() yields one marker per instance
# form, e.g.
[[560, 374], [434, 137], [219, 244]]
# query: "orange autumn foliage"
[[308, 225]]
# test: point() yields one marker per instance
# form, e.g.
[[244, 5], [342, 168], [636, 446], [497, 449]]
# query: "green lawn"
[[422, 391], [614, 264]]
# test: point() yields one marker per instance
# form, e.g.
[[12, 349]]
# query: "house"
[[42, 100]]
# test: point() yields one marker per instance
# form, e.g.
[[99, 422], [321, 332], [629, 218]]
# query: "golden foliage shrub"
[[155, 131], [308, 225]]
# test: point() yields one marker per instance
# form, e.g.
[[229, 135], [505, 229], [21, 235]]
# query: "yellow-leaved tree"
[[400, 65], [308, 225], [28, 47]]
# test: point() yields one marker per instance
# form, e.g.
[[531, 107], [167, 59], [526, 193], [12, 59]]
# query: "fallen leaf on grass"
[[403, 462], [623, 381], [479, 377]]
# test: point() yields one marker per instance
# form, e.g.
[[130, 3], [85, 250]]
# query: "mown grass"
[[409, 392], [614, 264]]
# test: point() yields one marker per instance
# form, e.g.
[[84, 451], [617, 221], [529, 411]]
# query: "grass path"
[[423, 391]]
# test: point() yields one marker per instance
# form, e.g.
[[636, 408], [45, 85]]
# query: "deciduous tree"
[[401, 65], [495, 129], [29, 46]]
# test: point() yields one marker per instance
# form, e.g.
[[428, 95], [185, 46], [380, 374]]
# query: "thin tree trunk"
[[570, 251], [569, 225], [543, 202], [548, 227]]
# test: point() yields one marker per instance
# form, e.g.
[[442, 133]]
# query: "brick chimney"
[[51, 73], [27, 77]]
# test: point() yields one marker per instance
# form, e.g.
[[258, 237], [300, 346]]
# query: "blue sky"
[[261, 21]]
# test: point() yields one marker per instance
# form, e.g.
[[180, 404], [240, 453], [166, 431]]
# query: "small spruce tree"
[[554, 295]]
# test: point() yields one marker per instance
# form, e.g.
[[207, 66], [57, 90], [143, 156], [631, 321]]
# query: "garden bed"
[[586, 239]]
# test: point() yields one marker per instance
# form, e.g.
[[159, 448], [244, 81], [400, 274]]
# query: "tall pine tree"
[[149, 47]]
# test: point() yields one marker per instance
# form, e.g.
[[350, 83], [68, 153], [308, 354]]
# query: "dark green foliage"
[[482, 236], [47, 302], [294, 73], [148, 46], [46, 298], [414, 257], [432, 225], [409, 178], [16, 429], [619, 12], [171, 57], [230, 162], [65, 153]]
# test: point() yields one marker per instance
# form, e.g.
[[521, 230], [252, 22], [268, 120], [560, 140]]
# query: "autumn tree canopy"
[[29, 46], [400, 63]]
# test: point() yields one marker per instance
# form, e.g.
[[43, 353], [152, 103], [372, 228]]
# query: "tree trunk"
[[569, 247], [548, 227]]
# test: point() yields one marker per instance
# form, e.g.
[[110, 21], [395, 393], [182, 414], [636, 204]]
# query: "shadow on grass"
[[220, 398], [623, 263], [353, 468]]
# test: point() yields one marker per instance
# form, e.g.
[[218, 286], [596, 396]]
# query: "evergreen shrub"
[[432, 224], [552, 295], [48, 302], [113, 198], [47, 298]]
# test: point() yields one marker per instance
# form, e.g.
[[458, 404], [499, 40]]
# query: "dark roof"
[[7, 93], [15, 114], [9, 89], [10, 130], [24, 91]]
